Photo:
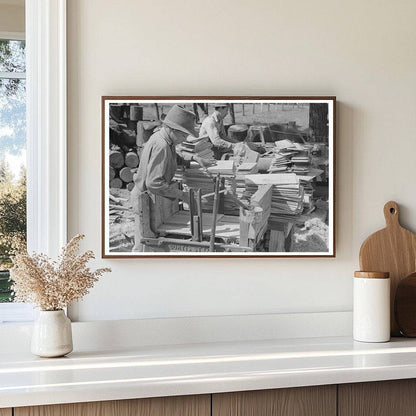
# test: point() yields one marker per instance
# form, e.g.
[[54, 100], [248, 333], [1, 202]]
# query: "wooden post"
[[192, 211], [157, 112], [199, 213], [318, 121], [221, 198], [232, 113], [142, 227], [263, 140], [195, 106], [214, 214]]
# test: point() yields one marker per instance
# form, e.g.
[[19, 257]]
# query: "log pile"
[[123, 165], [128, 134]]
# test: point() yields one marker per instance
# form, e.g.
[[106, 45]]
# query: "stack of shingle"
[[287, 196], [290, 157], [198, 178], [201, 147]]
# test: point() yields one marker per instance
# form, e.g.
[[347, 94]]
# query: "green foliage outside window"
[[12, 144], [12, 223]]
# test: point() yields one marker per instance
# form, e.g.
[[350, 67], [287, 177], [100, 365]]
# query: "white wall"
[[360, 51], [12, 18]]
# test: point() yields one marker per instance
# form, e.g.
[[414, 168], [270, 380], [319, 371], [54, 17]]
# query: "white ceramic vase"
[[52, 334]]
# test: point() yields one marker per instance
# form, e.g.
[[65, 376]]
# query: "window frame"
[[46, 137]]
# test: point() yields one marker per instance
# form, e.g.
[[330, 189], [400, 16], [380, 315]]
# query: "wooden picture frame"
[[274, 186]]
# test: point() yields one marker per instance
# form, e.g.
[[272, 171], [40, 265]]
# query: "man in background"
[[213, 127]]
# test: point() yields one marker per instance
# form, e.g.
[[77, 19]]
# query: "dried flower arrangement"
[[53, 285]]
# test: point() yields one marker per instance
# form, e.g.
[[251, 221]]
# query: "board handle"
[[391, 213]]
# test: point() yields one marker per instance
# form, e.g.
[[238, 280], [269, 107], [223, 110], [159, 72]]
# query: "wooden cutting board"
[[405, 306], [393, 250]]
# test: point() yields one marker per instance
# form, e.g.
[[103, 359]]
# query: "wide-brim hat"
[[218, 105], [180, 119]]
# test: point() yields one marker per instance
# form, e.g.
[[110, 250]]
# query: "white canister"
[[371, 313]]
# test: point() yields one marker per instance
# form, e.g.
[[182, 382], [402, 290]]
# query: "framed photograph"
[[218, 176]]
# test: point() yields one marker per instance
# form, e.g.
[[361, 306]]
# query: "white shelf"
[[150, 371]]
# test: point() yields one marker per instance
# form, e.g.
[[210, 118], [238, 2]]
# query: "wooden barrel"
[[116, 159], [126, 175], [131, 160], [238, 132], [116, 183]]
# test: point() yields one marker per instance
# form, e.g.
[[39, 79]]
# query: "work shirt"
[[213, 127], [158, 166]]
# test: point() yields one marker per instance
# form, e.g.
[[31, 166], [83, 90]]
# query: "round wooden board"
[[405, 306]]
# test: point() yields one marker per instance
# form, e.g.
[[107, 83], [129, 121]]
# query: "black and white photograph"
[[218, 176]]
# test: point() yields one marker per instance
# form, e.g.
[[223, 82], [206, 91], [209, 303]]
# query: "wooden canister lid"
[[372, 275]]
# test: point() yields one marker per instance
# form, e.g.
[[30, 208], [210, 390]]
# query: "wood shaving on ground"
[[313, 237]]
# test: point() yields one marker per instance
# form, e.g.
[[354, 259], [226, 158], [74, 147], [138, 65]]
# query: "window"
[[12, 153]]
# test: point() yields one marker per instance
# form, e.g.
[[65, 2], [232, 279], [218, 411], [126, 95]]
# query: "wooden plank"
[[160, 406], [179, 224], [161, 208], [263, 197], [5, 412], [182, 219], [254, 221], [196, 236], [214, 214], [199, 213], [277, 241], [273, 179], [251, 156], [301, 401], [192, 212], [381, 398]]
